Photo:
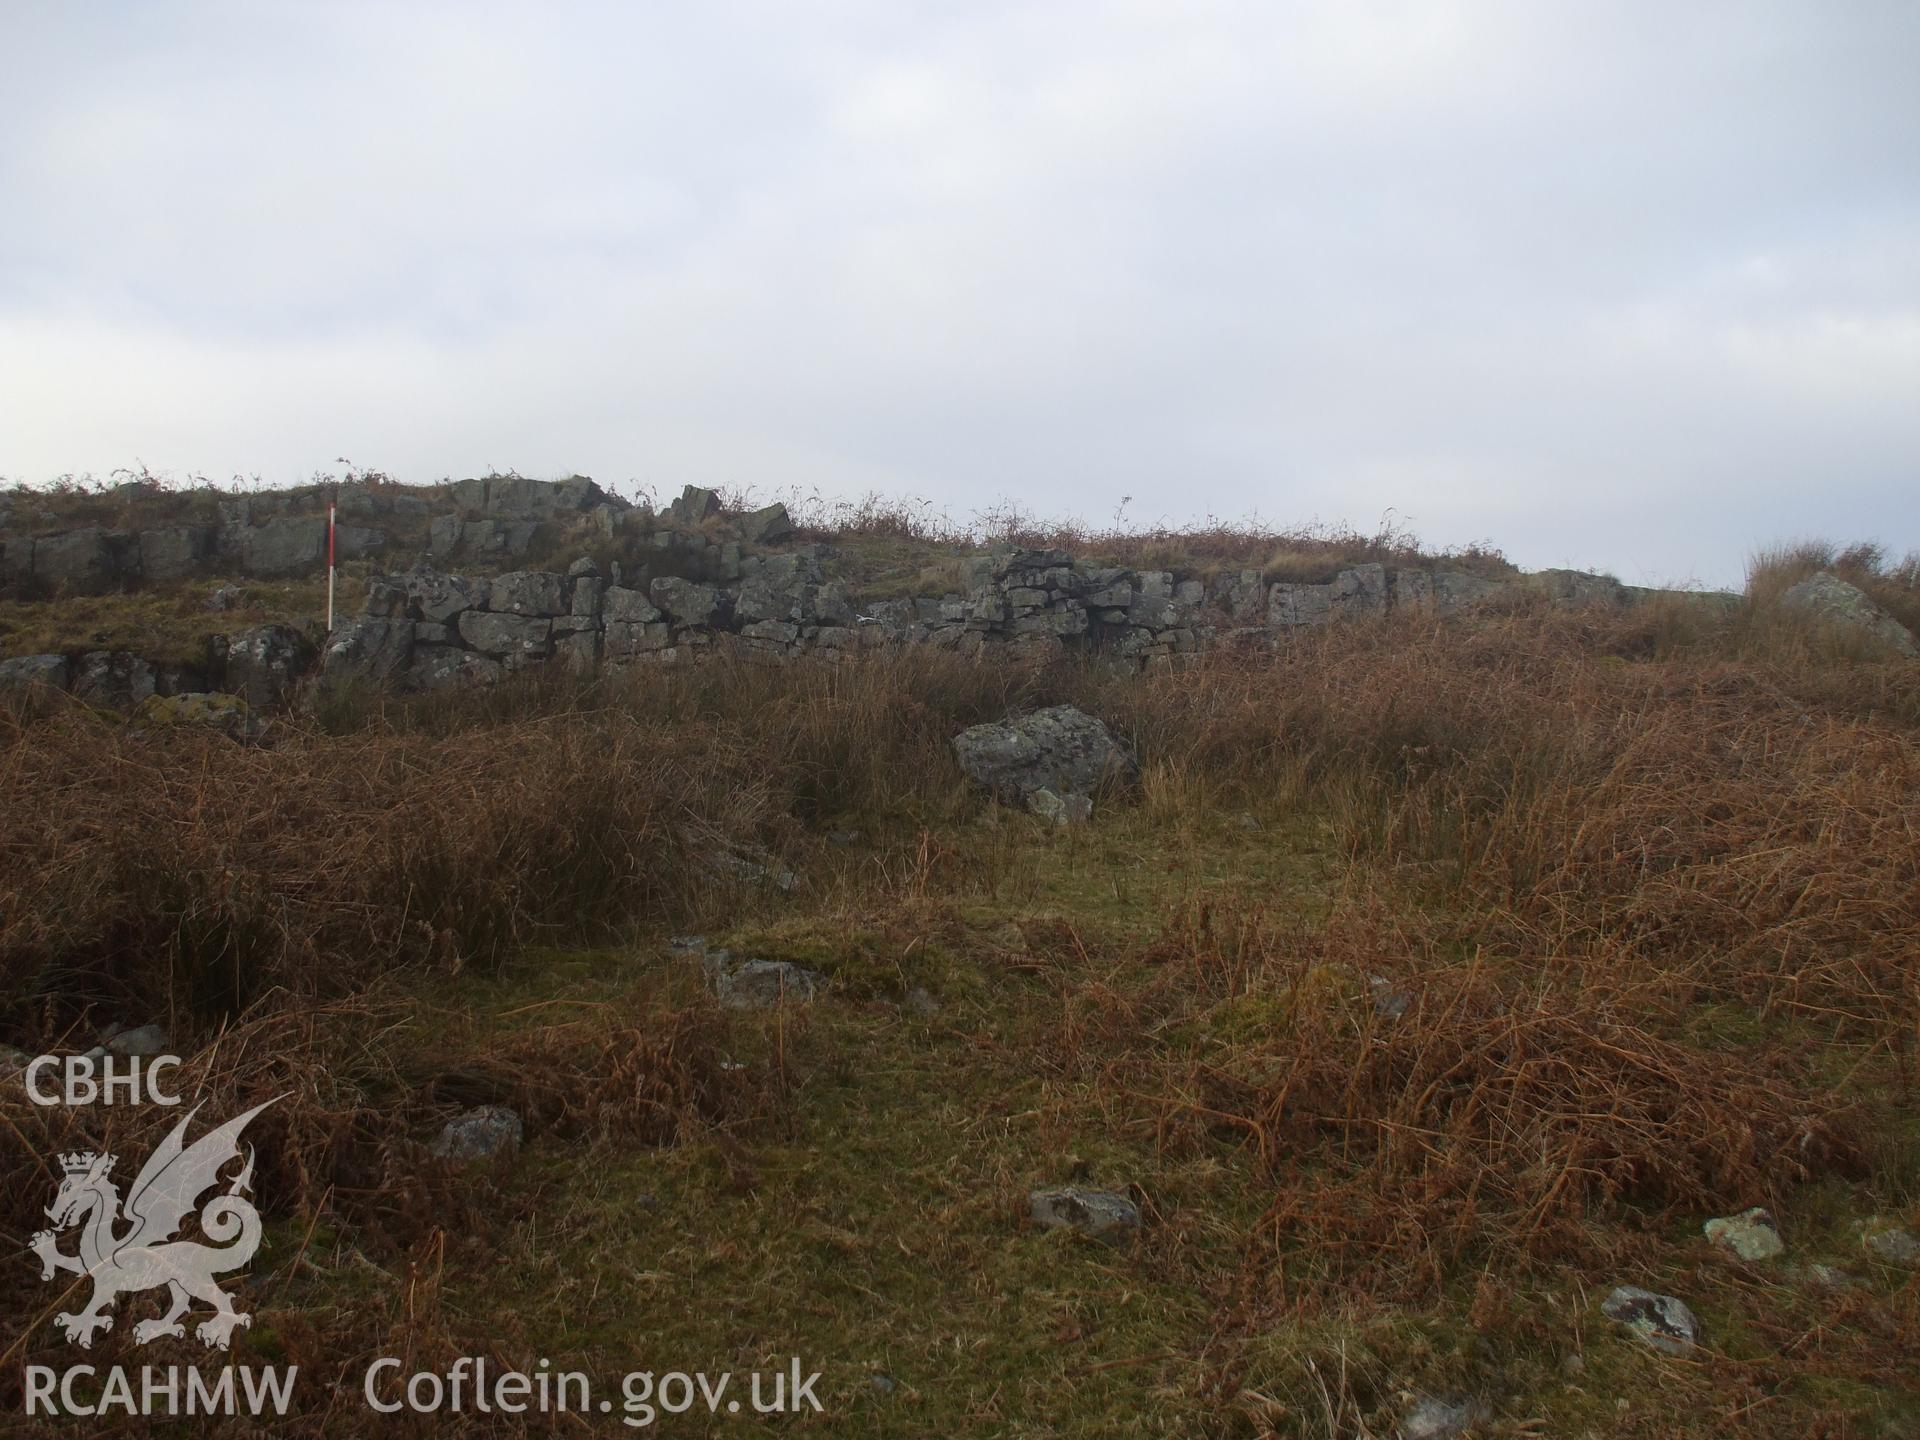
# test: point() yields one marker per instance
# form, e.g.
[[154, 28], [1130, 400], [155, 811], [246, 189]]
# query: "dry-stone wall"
[[423, 628]]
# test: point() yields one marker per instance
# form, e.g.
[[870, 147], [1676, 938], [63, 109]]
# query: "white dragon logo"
[[141, 1257]]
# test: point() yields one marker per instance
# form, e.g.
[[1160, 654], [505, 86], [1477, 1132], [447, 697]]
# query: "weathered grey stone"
[[138, 1040], [687, 602], [1431, 1418], [480, 1134], [1827, 598], [113, 678], [525, 637], [694, 505], [1662, 1321], [264, 662], [621, 604], [1060, 749], [444, 536], [528, 592], [762, 984], [1101, 1215], [16, 559], [357, 542], [440, 598], [22, 672], [1457, 590], [766, 525], [1578, 587], [585, 599], [438, 666], [428, 632], [91, 559], [175, 552], [625, 639], [1751, 1235], [1069, 809], [1892, 1243], [374, 649], [288, 545], [774, 631]]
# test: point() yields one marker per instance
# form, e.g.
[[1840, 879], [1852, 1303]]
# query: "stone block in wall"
[[357, 542], [835, 637], [16, 559], [444, 536], [288, 545], [375, 649], [436, 666], [175, 552], [429, 632], [779, 632], [262, 663], [1242, 594], [766, 525], [1578, 587], [585, 599], [528, 592], [434, 596], [1026, 597], [1456, 590], [694, 505], [1112, 596], [1409, 589], [686, 602], [829, 604], [625, 639], [518, 637], [469, 494], [625, 606], [90, 560]]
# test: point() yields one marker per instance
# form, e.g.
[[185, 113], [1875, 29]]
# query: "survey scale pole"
[[331, 501]]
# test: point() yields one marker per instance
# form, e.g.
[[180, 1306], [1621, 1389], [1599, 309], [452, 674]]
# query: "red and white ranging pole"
[[330, 507]]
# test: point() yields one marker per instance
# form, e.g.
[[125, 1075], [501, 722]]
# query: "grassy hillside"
[[1432, 980]]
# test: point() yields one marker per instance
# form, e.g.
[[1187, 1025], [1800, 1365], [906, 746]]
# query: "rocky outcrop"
[[1827, 598], [262, 664]]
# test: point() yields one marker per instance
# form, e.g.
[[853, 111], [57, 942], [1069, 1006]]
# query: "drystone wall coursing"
[[285, 535], [423, 628]]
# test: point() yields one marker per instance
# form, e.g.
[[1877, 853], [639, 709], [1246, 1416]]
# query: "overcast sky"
[[1620, 285]]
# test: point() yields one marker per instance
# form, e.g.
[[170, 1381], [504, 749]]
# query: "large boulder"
[[1060, 750], [228, 714], [263, 663], [1828, 598]]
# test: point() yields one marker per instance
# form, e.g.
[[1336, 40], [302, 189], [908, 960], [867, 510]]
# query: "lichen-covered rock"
[[26, 672], [766, 525], [528, 592], [113, 678], [230, 715], [1826, 597], [83, 560], [1432, 1418], [436, 667], [520, 637], [480, 1134], [1060, 749], [1662, 1321], [1892, 1243], [762, 984], [1101, 1215], [625, 606], [687, 602], [175, 552], [263, 663], [1750, 1235], [285, 545], [373, 649], [695, 504]]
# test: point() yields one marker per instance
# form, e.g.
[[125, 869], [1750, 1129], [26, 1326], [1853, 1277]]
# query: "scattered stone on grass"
[[480, 1133], [1100, 1215], [1662, 1321], [1751, 1235]]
